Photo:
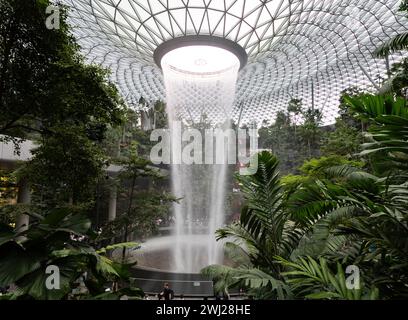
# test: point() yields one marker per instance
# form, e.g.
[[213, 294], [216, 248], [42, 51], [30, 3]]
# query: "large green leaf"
[[6, 234], [315, 280], [15, 262], [256, 279], [34, 283]]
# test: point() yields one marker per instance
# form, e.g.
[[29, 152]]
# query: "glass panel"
[[295, 42]]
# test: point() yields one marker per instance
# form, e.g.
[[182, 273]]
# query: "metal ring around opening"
[[200, 40]]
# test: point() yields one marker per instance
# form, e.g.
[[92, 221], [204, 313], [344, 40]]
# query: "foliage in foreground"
[[61, 239], [299, 241]]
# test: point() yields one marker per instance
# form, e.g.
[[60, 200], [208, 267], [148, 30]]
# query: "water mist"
[[198, 78]]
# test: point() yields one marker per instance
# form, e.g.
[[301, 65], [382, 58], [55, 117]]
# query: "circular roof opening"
[[200, 54], [200, 60]]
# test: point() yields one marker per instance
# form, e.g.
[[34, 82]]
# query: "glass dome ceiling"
[[306, 49]]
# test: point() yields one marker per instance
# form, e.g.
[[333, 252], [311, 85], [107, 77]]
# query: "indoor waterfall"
[[202, 76]]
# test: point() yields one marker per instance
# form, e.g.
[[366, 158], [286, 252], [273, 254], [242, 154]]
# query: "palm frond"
[[222, 276], [262, 192], [315, 280], [237, 254], [257, 279], [398, 43]]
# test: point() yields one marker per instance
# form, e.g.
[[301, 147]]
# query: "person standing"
[[167, 293]]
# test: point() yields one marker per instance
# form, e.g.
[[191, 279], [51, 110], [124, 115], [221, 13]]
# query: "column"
[[112, 202], [23, 197]]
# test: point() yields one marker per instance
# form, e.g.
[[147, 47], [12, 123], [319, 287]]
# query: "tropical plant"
[[60, 239], [313, 279], [397, 43], [141, 207], [345, 141], [264, 226], [341, 215], [317, 167], [358, 217], [44, 82], [263, 232], [293, 137], [388, 133]]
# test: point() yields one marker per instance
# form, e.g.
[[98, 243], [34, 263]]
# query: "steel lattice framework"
[[306, 49]]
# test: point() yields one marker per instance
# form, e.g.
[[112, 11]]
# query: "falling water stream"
[[199, 81]]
